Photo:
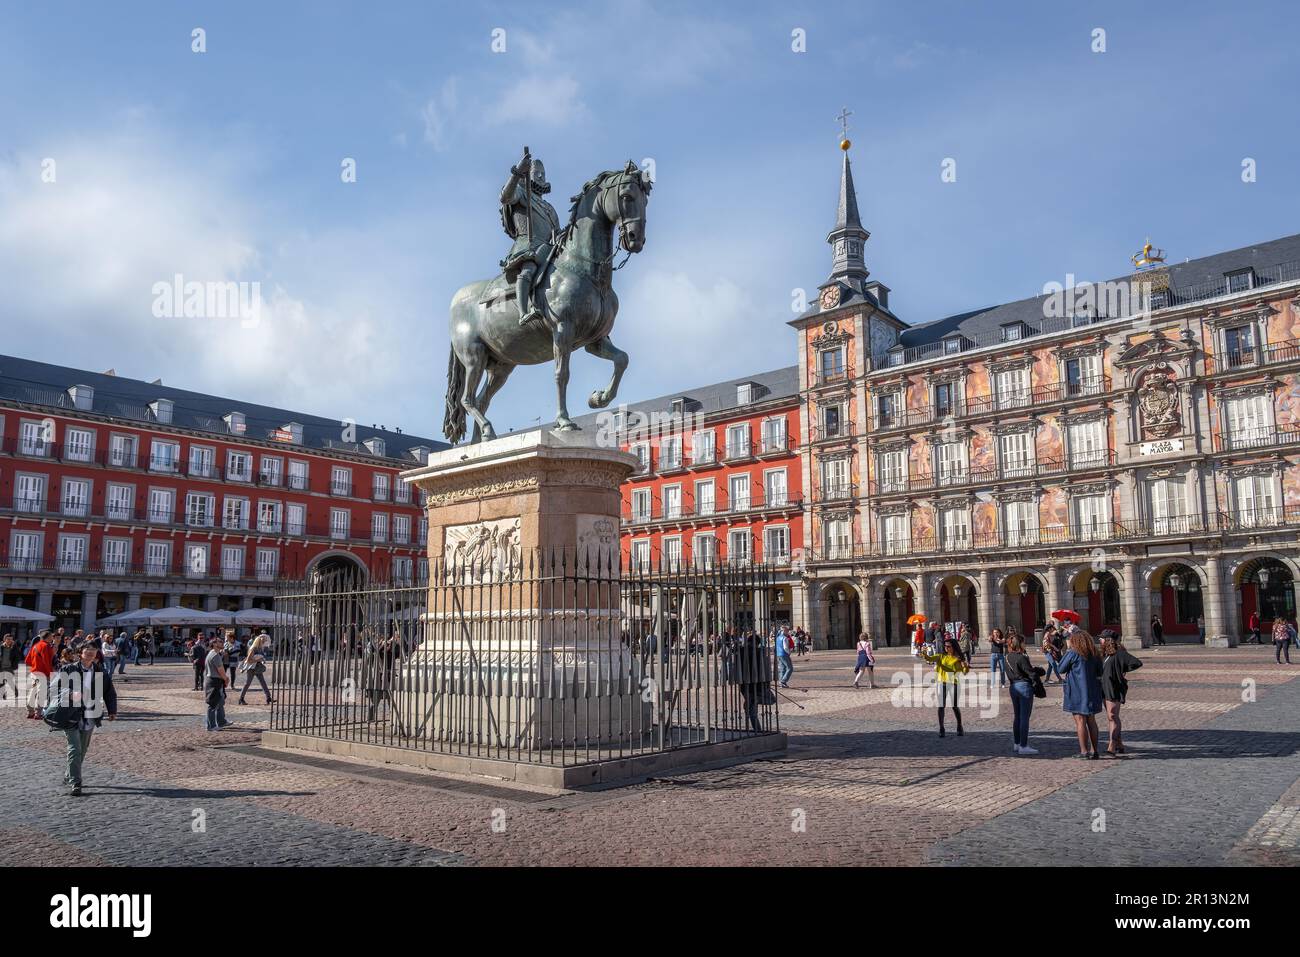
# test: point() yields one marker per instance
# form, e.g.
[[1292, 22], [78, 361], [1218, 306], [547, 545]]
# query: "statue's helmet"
[[539, 175]]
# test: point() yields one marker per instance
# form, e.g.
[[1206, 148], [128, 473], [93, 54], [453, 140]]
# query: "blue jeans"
[[998, 662], [785, 669], [1051, 668], [216, 697], [1022, 703]]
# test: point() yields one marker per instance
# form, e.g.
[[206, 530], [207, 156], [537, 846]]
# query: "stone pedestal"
[[522, 645]]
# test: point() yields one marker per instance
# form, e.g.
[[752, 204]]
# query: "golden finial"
[[1148, 256], [845, 142]]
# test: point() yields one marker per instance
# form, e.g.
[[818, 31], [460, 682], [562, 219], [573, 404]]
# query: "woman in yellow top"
[[947, 667]]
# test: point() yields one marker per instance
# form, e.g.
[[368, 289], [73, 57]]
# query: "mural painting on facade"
[[1288, 405], [985, 520], [1056, 507], [1051, 447], [983, 455], [1283, 321]]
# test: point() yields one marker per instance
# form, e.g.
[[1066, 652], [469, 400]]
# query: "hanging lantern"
[[839, 595], [780, 596], [898, 591], [956, 591], [1094, 583], [1193, 585], [1175, 581], [1263, 576], [1024, 587]]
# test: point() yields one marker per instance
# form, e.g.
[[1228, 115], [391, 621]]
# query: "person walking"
[[1081, 666], [10, 658], [198, 654], [108, 654], [998, 656], [254, 666], [1116, 663], [918, 639], [1252, 624], [1051, 655], [1281, 640], [967, 644], [79, 709], [1023, 677], [785, 667], [947, 667], [124, 650], [1157, 631], [866, 660], [40, 663], [215, 681]]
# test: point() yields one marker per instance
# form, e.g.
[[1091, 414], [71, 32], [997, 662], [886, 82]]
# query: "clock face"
[[830, 297]]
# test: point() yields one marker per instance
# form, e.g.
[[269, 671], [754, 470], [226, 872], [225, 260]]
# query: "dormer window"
[[1239, 280], [420, 453], [1014, 331], [375, 444], [234, 423], [894, 357], [83, 397], [745, 393], [678, 406], [952, 345], [162, 410], [290, 432]]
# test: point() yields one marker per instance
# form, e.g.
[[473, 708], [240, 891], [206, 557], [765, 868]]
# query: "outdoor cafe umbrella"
[[264, 618], [917, 619], [1065, 614], [177, 616], [14, 613]]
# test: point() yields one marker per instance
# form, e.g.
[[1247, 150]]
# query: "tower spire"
[[848, 237]]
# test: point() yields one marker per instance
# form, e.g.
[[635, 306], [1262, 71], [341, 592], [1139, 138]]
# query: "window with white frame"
[[29, 493], [670, 453], [887, 410], [704, 497], [272, 472], [704, 551], [737, 441], [1091, 517], [422, 569], [297, 474], [774, 489], [702, 450], [380, 483], [122, 451], [1088, 447], [76, 497], [401, 492], [234, 513], [774, 439], [641, 554], [1168, 506], [1020, 522], [196, 560], [25, 551], [402, 529], [895, 533], [164, 455], [1011, 386], [672, 501], [738, 492], [378, 527], [1083, 375], [72, 553], [738, 547], [35, 438], [672, 554], [78, 445], [422, 529], [340, 523], [838, 534], [835, 479], [776, 544], [119, 502], [950, 462], [402, 568], [203, 462], [232, 561], [268, 564], [640, 505], [1239, 346], [955, 526], [200, 507], [1016, 454], [162, 504], [1255, 497], [945, 399], [157, 557], [833, 421], [239, 466], [832, 364], [1249, 421], [893, 471], [270, 516], [117, 556], [340, 481], [295, 521], [642, 453]]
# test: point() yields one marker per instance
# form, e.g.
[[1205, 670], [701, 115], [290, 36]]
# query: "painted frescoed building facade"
[[1124, 450]]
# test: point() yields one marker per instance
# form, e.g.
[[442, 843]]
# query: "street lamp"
[[1094, 583], [1263, 577], [839, 595], [1194, 585], [1024, 588], [956, 591], [1175, 581], [898, 591]]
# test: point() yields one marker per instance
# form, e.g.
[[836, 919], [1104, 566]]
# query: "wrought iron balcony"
[[961, 477], [993, 402], [1260, 438]]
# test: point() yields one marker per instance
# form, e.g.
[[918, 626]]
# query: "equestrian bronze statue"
[[553, 296]]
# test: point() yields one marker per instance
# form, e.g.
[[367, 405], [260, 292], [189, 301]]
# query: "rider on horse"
[[531, 222]]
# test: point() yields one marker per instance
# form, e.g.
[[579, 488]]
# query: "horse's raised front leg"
[[605, 349], [563, 344]]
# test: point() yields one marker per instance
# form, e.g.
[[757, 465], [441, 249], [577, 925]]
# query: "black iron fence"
[[550, 658]]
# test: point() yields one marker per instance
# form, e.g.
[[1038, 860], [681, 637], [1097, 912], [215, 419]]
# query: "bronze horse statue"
[[575, 294]]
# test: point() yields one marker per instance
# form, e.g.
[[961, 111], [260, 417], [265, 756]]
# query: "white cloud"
[[438, 112], [542, 99]]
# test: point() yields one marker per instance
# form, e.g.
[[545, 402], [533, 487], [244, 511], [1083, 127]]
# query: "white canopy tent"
[[263, 618], [14, 613]]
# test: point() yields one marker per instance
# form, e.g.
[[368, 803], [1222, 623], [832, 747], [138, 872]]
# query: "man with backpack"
[[198, 657], [80, 699], [40, 664]]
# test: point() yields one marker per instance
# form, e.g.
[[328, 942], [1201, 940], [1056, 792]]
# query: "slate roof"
[[42, 383], [715, 398]]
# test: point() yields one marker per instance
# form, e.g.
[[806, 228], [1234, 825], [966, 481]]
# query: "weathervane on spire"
[[844, 128]]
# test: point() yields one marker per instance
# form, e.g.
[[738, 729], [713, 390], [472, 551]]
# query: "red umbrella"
[[1065, 614]]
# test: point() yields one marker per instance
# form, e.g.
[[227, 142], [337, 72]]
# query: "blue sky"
[[225, 166]]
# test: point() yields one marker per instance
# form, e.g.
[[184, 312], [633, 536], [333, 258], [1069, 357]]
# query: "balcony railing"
[[671, 462], [774, 445], [836, 492], [985, 404], [824, 377], [1260, 438], [959, 477], [757, 499], [822, 433], [737, 451], [338, 487], [120, 568], [704, 458]]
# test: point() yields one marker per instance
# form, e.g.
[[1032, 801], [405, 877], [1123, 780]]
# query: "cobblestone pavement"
[[1213, 778]]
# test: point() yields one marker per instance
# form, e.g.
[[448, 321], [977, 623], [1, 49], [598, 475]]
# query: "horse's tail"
[[453, 422]]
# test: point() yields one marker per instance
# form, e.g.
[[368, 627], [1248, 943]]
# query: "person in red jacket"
[[40, 662]]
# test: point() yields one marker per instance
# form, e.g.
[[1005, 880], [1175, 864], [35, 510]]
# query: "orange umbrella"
[[917, 620]]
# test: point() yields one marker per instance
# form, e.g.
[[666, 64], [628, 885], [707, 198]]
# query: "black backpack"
[[61, 714]]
